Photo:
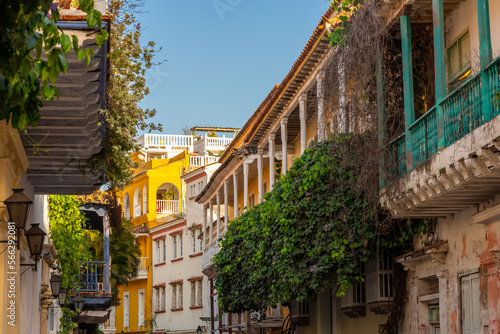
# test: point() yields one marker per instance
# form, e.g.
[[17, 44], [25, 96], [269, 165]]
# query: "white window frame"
[[141, 302], [161, 251], [470, 301], [177, 245], [159, 298], [126, 309], [144, 200], [137, 202], [196, 244], [177, 296], [197, 292]]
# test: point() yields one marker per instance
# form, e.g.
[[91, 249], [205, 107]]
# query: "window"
[[160, 251], [196, 244], [144, 200], [137, 203], [434, 319], [459, 57], [471, 312], [159, 298], [126, 206], [251, 201], [125, 310], [141, 308], [177, 296], [197, 293], [177, 246]]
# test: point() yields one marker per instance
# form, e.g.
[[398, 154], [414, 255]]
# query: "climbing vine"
[[313, 231]]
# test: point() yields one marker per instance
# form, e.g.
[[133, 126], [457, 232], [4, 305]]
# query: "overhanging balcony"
[[199, 161], [142, 270], [433, 172]]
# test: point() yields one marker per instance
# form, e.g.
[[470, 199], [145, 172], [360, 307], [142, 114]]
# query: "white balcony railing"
[[166, 142], [171, 207], [216, 143], [202, 160]]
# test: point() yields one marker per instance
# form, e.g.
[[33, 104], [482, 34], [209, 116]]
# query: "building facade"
[[440, 166]]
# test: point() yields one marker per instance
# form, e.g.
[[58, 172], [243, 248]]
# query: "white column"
[[204, 226], [342, 105], [235, 195], [272, 169], [245, 185], [218, 214], [303, 126], [321, 105], [211, 213], [260, 177], [226, 206], [443, 303], [284, 134]]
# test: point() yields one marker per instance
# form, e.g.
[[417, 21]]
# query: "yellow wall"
[[153, 175]]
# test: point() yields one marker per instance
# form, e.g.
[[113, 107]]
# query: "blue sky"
[[222, 56]]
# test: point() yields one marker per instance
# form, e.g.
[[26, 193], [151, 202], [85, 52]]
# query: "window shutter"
[[471, 312]]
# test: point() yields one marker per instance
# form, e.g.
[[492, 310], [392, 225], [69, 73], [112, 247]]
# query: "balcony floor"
[[464, 174]]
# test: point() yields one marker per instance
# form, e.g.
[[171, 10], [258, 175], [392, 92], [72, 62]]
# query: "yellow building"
[[153, 201]]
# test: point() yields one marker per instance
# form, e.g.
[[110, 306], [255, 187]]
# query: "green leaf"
[[94, 18], [66, 43]]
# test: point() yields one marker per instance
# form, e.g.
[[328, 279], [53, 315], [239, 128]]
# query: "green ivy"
[[313, 231], [345, 10], [69, 236], [33, 54]]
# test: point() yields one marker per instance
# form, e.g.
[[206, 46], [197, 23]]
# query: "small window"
[[160, 251], [177, 246], [459, 55], [159, 298], [196, 293], [196, 244], [177, 296]]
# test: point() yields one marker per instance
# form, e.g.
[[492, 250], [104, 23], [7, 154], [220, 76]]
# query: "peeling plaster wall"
[[467, 241]]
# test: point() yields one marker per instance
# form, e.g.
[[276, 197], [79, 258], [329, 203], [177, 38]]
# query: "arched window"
[[144, 200], [126, 206], [137, 203]]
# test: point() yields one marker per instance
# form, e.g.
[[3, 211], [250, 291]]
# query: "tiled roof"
[[141, 229]]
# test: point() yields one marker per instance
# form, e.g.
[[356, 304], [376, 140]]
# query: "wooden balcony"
[[430, 180]]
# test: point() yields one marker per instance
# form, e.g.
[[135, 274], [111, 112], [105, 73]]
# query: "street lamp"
[[55, 285], [78, 302], [199, 330], [35, 236], [18, 207], [61, 298]]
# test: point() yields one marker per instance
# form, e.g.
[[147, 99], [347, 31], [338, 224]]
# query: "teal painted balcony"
[[446, 171], [462, 111]]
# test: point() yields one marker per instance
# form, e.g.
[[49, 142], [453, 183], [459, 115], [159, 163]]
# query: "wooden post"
[[407, 85], [303, 125], [212, 309], [284, 145], [235, 195], [226, 205], [439, 68], [272, 167], [218, 215], [485, 55], [260, 179]]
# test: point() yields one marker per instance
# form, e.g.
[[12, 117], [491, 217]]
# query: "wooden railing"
[[171, 207], [92, 277], [462, 112]]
